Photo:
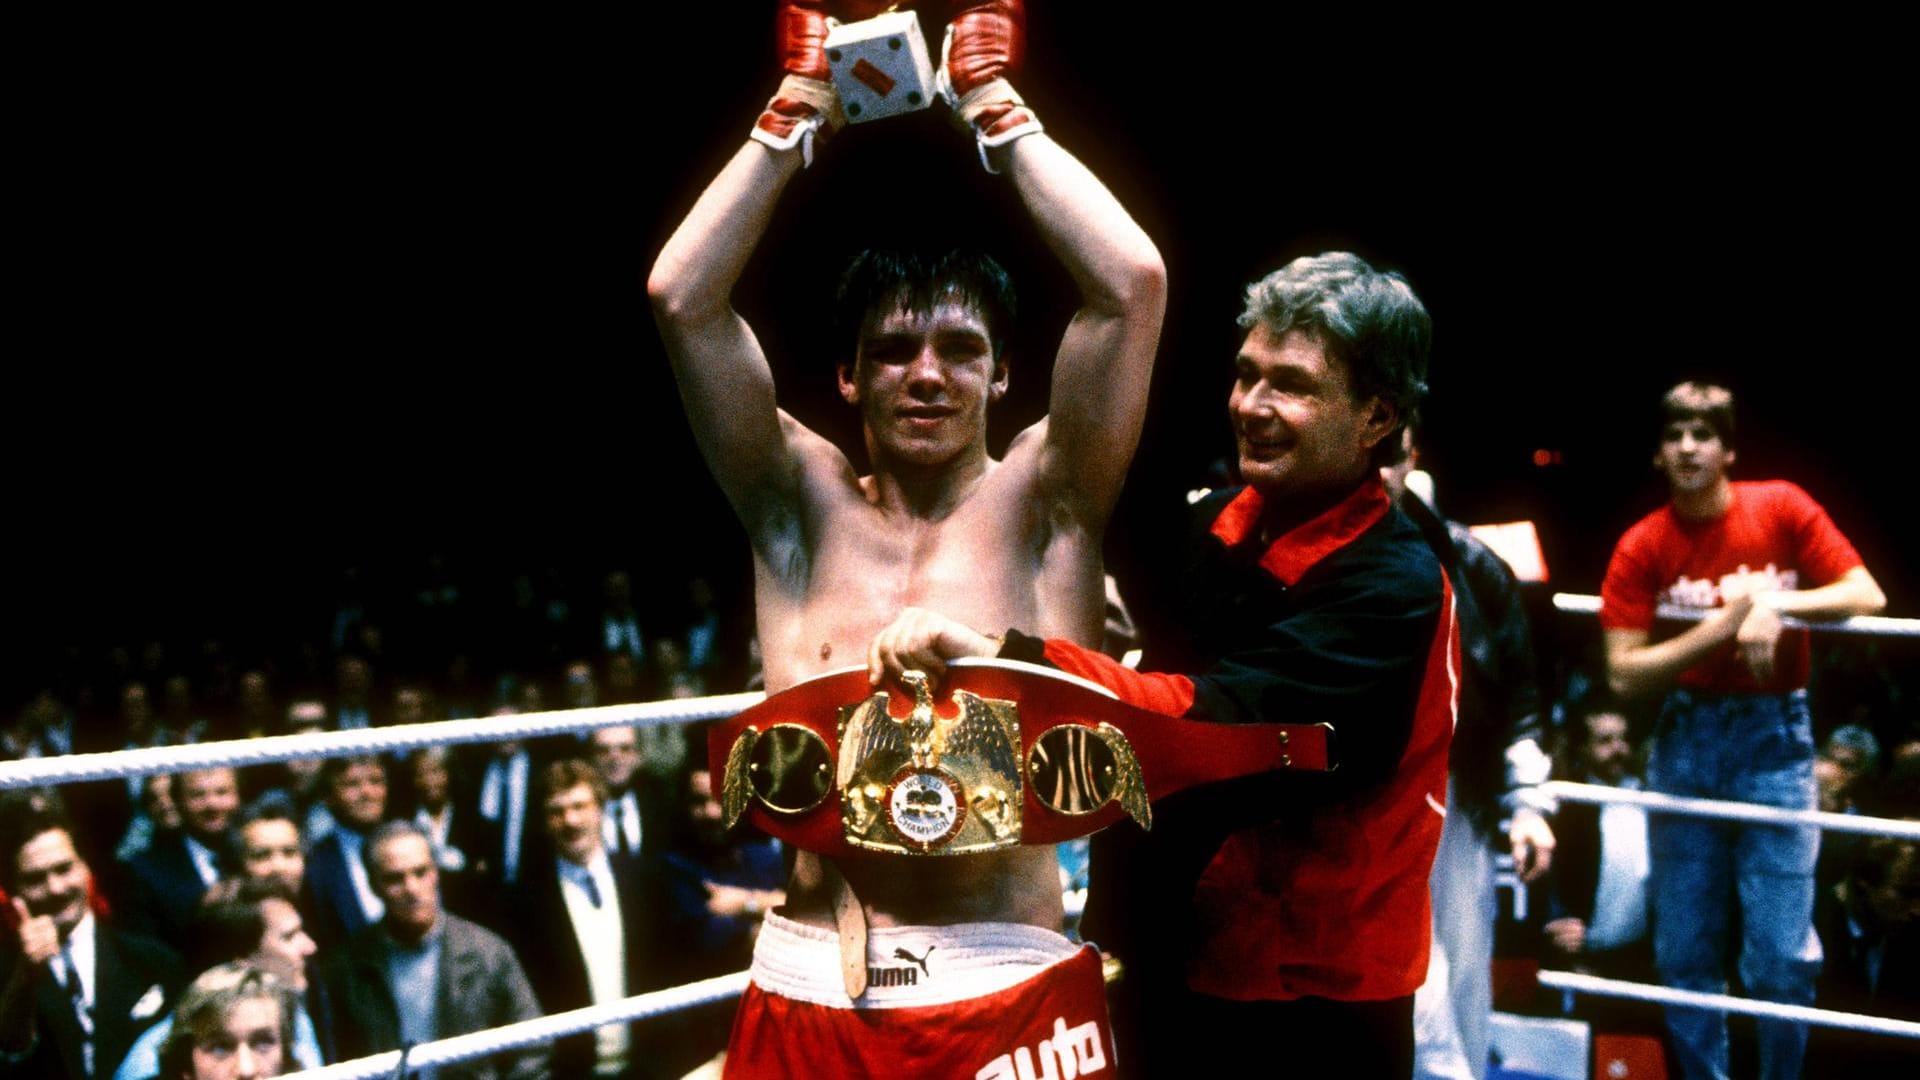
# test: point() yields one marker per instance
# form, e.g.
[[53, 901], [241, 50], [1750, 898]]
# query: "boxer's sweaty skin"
[[999, 562], [938, 523]]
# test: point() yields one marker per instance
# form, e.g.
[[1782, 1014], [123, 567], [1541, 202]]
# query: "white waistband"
[[906, 965]]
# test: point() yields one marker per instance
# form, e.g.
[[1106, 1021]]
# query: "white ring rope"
[[481, 1044], [73, 768], [1879, 625], [1731, 811], [1773, 1010]]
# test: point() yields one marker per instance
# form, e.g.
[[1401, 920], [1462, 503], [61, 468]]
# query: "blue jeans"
[[1746, 748]]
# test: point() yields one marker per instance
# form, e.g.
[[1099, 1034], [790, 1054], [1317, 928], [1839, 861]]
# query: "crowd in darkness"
[[331, 876], [387, 643], [495, 882]]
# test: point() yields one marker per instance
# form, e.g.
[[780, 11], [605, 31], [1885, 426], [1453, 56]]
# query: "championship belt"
[[1015, 754]]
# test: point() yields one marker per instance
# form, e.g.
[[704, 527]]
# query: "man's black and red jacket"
[[1290, 884]]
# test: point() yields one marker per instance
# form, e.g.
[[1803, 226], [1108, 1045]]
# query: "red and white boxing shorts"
[[981, 1000]]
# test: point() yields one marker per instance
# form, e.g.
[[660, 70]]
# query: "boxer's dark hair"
[[910, 281], [1368, 319], [1710, 404]]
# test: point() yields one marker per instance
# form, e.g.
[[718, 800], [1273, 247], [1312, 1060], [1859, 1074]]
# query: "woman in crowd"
[[234, 1023]]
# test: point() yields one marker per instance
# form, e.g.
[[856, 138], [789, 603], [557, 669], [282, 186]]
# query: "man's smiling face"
[[1296, 423]]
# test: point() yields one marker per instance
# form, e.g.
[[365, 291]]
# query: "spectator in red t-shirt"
[[1735, 724]]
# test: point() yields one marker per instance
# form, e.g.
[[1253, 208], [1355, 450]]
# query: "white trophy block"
[[880, 66]]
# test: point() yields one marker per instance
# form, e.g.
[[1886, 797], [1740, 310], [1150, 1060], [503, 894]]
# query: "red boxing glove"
[[805, 104], [986, 42], [800, 36], [989, 41]]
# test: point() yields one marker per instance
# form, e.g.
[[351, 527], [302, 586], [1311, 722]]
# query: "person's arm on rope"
[[1638, 668], [1855, 593], [1750, 618]]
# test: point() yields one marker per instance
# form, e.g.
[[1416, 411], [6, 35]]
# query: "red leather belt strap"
[[1173, 753]]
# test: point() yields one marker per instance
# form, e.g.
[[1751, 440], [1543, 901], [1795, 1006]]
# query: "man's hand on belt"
[[923, 640]]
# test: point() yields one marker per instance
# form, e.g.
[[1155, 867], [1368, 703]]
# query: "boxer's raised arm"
[[722, 372], [1100, 377]]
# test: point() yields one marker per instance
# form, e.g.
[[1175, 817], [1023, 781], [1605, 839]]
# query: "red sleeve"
[[1630, 594], [1822, 551], [1170, 695]]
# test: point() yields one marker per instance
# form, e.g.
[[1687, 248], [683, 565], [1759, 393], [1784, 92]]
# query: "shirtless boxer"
[[938, 522]]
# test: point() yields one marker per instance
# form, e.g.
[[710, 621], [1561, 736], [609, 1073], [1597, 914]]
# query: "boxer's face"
[[922, 381], [1295, 419]]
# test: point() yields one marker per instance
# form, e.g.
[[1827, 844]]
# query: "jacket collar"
[[1296, 551]]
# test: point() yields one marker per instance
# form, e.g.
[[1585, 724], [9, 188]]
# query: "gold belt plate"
[[926, 784]]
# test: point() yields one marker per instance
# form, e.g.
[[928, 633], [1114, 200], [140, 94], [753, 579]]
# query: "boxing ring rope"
[[1876, 625], [1730, 811], [122, 763], [119, 764], [1772, 1010], [492, 1041]]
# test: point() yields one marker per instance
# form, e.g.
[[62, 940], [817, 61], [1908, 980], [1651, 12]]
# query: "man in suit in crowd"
[[344, 900], [74, 989], [170, 877], [585, 914], [501, 801], [1601, 921], [464, 843], [1600, 906], [634, 820], [422, 973]]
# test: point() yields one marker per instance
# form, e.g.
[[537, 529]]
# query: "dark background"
[[349, 294]]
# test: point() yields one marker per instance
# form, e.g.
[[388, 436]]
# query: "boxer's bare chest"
[[999, 559], [996, 561]]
